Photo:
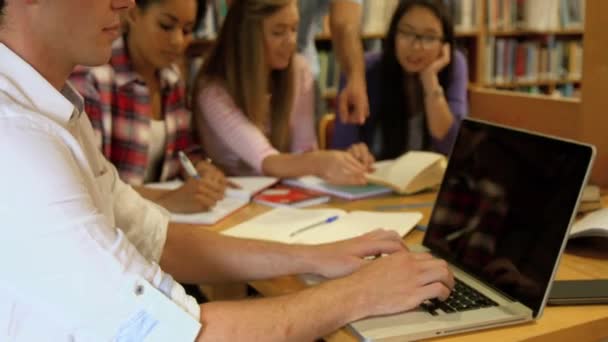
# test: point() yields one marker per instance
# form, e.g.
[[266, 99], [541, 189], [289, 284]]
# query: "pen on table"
[[187, 165], [303, 229]]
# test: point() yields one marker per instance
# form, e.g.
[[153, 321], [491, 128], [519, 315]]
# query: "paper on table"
[[221, 209], [234, 200], [249, 186], [593, 224], [279, 223]]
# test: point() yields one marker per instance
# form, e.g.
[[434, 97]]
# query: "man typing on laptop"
[[81, 250], [501, 220]]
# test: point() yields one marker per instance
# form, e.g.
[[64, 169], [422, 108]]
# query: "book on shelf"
[[212, 15], [287, 196], [464, 14], [235, 198], [513, 61], [535, 15], [412, 172], [377, 15], [329, 72], [317, 226]]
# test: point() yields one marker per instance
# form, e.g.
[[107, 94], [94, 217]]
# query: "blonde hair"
[[237, 63]]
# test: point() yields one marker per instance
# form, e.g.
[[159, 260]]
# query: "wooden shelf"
[[467, 33], [370, 36], [523, 32], [365, 36], [532, 83], [199, 46]]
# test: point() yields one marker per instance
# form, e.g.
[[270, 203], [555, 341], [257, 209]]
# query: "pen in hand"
[[187, 165], [303, 229]]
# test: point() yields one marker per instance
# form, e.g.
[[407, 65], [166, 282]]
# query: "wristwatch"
[[435, 93]]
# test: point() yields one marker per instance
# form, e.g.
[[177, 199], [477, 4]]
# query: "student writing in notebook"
[[254, 99], [417, 86], [101, 262], [137, 105]]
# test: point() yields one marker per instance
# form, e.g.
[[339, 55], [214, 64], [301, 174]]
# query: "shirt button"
[[139, 290]]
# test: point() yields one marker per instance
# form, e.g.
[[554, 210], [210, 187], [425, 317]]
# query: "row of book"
[[535, 15], [211, 15], [464, 14], [377, 15], [571, 90], [513, 61], [329, 72]]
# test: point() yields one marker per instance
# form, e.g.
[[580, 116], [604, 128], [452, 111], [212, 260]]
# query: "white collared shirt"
[[80, 249]]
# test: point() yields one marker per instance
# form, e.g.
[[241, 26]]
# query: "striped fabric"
[[117, 103]]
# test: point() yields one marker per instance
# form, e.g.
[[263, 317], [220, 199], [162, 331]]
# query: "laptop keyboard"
[[462, 298]]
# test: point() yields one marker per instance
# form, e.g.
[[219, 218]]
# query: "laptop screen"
[[504, 206]]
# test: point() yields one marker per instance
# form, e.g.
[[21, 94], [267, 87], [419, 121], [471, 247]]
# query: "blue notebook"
[[345, 192]]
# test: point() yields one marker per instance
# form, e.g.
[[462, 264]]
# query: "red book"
[[285, 196]]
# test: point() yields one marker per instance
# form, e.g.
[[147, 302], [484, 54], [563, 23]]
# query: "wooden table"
[[586, 259]]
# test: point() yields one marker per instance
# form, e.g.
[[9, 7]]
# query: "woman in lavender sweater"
[[409, 108]]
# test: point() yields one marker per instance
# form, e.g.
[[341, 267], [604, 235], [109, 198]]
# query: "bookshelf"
[[581, 118], [482, 27], [494, 34]]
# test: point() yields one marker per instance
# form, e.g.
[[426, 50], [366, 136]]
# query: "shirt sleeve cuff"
[[267, 153]]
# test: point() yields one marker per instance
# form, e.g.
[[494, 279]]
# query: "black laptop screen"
[[504, 206]]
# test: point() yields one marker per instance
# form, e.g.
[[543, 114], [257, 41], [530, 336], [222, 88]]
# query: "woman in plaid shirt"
[[136, 105]]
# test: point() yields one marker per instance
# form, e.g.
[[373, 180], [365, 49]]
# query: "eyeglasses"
[[426, 41]]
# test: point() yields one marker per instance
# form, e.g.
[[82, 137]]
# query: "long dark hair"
[[396, 108], [2, 4], [144, 4]]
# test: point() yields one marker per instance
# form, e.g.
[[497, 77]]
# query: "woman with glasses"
[[417, 87]]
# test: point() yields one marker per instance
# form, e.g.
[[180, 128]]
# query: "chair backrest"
[[326, 130]]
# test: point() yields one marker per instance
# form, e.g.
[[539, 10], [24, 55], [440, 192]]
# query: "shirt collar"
[[26, 85], [125, 73]]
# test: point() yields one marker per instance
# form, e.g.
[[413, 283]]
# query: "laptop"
[[501, 220]]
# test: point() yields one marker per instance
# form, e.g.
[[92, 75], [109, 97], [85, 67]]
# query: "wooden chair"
[[326, 130]]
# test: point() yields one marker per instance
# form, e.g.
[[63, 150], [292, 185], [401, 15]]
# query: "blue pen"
[[187, 165], [326, 221]]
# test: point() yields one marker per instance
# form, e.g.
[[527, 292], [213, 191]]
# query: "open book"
[[594, 224], [316, 226], [234, 199], [412, 172], [591, 199]]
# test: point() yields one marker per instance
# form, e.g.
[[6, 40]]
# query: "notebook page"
[[221, 209], [279, 223], [358, 223], [249, 186]]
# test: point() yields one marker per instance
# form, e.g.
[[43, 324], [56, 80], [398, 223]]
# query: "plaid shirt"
[[118, 105]]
